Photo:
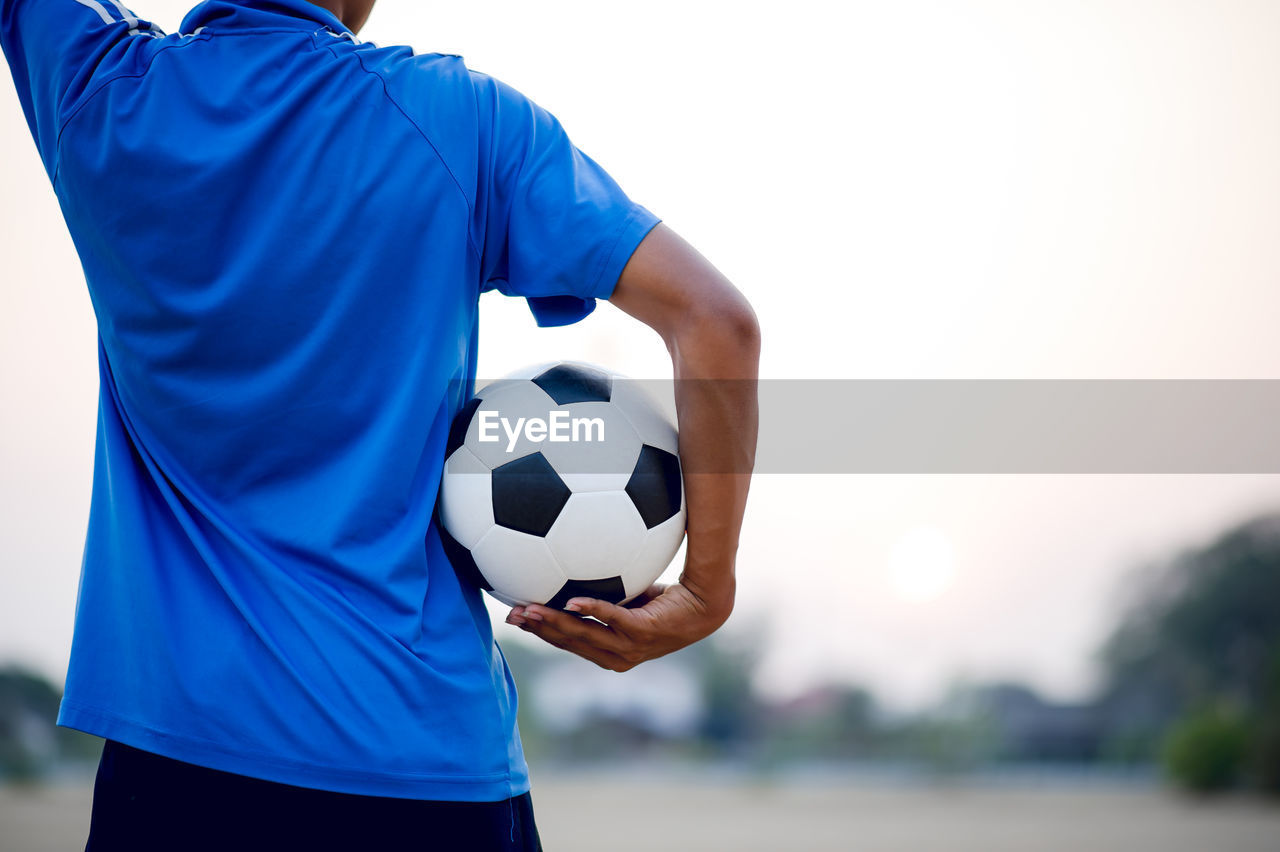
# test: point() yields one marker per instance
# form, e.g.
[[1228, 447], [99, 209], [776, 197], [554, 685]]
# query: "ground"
[[591, 813]]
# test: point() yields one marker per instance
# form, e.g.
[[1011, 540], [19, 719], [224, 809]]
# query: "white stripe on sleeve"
[[125, 14], [100, 9]]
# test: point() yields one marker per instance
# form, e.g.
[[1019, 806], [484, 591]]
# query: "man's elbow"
[[732, 320], [721, 339], [744, 327]]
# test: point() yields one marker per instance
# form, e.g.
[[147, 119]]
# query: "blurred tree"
[[1205, 751], [1205, 634], [1264, 763], [30, 744], [732, 714]]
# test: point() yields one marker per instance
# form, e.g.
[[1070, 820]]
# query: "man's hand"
[[661, 620]]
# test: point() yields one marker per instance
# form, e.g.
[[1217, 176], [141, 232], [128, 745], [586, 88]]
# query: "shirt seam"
[[269, 760], [426, 138], [57, 145]]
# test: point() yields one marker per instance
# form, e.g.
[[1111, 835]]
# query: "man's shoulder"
[[401, 65], [442, 79], [433, 91], [429, 88]]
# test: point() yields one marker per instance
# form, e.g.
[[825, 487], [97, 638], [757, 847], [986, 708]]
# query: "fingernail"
[[574, 605], [532, 616], [515, 619]]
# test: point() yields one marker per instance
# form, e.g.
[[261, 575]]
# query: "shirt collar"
[[262, 14]]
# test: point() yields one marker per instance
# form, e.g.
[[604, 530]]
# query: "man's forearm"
[[716, 365]]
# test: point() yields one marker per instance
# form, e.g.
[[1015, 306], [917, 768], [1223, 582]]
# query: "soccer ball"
[[561, 481]]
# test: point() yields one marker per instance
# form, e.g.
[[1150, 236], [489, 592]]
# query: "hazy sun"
[[921, 564]]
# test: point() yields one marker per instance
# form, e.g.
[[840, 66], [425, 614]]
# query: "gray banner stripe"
[[1011, 426], [1067, 426]]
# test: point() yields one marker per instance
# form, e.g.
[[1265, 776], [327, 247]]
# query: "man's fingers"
[[551, 632], [619, 618], [575, 627], [614, 644]]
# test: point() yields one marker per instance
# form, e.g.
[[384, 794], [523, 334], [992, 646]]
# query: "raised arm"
[[714, 341], [55, 50]]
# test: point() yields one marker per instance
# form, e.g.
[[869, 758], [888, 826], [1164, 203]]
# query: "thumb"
[[611, 614]]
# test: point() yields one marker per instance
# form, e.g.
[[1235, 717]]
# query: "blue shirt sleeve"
[[557, 229], [52, 47]]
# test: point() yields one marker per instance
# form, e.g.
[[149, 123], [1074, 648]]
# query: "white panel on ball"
[[596, 535], [531, 370], [466, 504], [493, 387], [507, 599], [518, 566], [595, 465], [524, 374], [512, 401], [644, 414], [655, 554]]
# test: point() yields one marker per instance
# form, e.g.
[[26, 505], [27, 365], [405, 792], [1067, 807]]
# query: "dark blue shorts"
[[144, 802]]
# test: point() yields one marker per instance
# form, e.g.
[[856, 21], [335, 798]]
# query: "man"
[[284, 232]]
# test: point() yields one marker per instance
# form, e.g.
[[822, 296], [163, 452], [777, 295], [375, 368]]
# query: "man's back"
[[284, 233]]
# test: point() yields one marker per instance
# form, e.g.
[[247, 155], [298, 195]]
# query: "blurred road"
[[587, 813]]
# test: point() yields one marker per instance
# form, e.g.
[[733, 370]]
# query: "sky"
[[918, 189]]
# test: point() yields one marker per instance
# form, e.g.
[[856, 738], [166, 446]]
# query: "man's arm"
[[714, 341], [51, 46]]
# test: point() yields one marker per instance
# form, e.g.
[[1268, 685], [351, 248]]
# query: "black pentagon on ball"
[[458, 428], [566, 383], [528, 495], [609, 589], [463, 564], [655, 485]]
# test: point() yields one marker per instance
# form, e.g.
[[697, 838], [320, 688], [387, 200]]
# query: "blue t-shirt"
[[285, 232]]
